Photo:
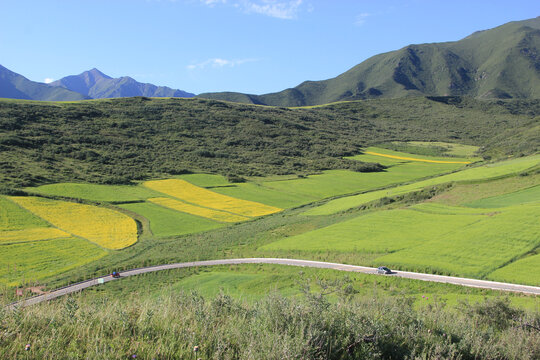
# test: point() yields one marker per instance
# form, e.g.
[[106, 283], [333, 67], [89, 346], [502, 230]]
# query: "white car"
[[383, 270]]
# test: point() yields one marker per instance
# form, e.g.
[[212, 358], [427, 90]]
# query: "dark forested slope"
[[133, 138]]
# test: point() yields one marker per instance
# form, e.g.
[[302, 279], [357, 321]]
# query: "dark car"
[[383, 270]]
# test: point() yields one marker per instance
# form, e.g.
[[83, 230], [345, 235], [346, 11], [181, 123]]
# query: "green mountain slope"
[[117, 140], [503, 62], [15, 86], [97, 85]]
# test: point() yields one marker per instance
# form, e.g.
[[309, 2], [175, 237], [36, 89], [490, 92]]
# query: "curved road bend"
[[525, 289]]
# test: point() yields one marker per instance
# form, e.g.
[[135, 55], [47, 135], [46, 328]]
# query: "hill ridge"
[[502, 62]]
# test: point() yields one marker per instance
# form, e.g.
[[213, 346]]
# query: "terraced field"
[[459, 150], [14, 217], [181, 206], [31, 249], [521, 271], [188, 192], [104, 227], [166, 222], [35, 234], [488, 237], [529, 195], [390, 154], [417, 159], [27, 262], [95, 192], [431, 238], [483, 172], [289, 192]]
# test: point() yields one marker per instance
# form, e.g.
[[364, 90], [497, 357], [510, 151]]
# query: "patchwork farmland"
[[479, 239]]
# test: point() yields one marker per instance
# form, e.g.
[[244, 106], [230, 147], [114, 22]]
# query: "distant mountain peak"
[[15, 86], [97, 85], [97, 73]]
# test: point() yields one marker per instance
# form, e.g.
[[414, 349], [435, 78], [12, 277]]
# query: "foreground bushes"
[[275, 328]]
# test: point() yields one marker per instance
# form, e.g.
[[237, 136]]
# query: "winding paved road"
[[534, 290]]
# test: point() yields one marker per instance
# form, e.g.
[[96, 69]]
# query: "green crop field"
[[166, 222], [205, 180], [522, 271], [430, 238], [96, 192], [254, 282], [259, 192], [14, 217], [531, 194], [467, 151], [397, 155], [376, 232], [465, 193], [29, 235], [434, 148], [483, 172], [339, 182], [28, 262], [476, 249]]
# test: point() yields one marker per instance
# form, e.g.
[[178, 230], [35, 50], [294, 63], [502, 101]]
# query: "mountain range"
[[92, 84], [15, 86], [97, 85], [503, 62]]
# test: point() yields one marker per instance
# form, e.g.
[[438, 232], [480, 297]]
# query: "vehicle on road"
[[115, 274], [384, 270]]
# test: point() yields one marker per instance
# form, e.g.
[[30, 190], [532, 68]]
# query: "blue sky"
[[251, 46]]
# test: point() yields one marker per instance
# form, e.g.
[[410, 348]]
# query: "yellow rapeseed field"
[[32, 235], [197, 210], [186, 191], [107, 228], [416, 159]]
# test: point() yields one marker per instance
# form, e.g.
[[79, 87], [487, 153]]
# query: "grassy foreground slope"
[[173, 324]]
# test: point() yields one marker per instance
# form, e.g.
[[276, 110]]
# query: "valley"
[[358, 181], [341, 183]]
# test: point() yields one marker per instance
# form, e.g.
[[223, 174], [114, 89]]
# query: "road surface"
[[525, 289]]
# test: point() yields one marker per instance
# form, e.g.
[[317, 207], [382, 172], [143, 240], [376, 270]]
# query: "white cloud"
[[281, 9], [361, 19], [213, 2], [219, 63], [48, 80], [278, 9]]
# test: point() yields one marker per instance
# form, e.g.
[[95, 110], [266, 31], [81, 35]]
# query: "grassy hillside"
[[498, 63], [117, 141]]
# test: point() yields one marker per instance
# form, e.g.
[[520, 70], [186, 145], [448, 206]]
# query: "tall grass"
[[312, 327]]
